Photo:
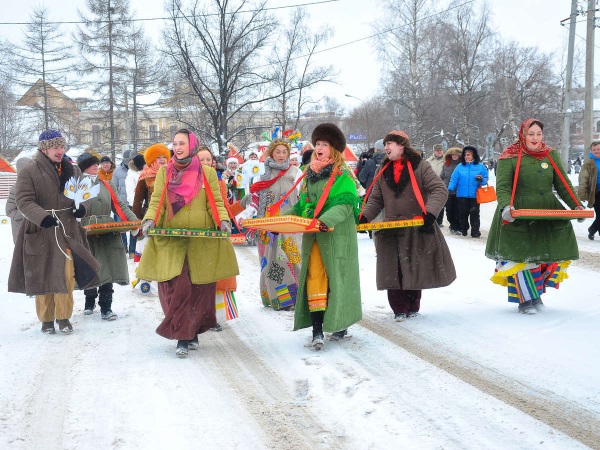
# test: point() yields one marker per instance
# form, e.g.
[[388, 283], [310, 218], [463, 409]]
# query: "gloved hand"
[[506, 216], [147, 225], [427, 227], [479, 178], [225, 226], [79, 212], [363, 219], [323, 228], [581, 219], [49, 222], [247, 213]]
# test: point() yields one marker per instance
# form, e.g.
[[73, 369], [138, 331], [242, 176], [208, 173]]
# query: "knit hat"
[[126, 156], [378, 144], [51, 139], [330, 133], [232, 159], [105, 159], [397, 136], [86, 160], [154, 151], [138, 161]]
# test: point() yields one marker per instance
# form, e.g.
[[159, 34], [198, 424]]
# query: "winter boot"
[[64, 326], [182, 348], [338, 335], [105, 303], [591, 232], [318, 339], [412, 314], [538, 304], [193, 343], [527, 308], [90, 305], [400, 317], [48, 328]]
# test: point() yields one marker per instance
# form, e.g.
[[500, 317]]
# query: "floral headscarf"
[[513, 150]]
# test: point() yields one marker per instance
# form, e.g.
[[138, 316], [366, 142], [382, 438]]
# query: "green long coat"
[[209, 259], [339, 250], [532, 241], [107, 248]]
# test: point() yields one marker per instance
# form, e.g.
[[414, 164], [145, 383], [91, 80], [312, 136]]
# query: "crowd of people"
[[315, 275]]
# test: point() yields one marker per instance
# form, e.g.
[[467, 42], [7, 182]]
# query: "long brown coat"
[[38, 265], [423, 259]]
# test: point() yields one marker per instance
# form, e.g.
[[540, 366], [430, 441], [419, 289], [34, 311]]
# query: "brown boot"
[[48, 328], [64, 326]]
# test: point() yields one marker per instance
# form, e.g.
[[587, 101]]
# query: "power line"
[[79, 22]]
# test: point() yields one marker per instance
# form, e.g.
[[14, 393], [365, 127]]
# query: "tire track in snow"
[[561, 414], [289, 423]]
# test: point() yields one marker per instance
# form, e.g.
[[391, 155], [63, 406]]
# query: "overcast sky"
[[530, 22]]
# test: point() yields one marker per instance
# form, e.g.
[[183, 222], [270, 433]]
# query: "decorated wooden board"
[[238, 239], [552, 214], [112, 227], [283, 224], [414, 222], [187, 233]]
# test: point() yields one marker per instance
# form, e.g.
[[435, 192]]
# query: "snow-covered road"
[[468, 373]]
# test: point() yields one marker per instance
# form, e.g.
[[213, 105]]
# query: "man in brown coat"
[[51, 253]]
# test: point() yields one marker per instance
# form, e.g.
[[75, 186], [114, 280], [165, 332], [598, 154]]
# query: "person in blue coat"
[[466, 178]]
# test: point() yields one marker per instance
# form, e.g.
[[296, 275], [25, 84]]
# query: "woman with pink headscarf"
[[187, 269]]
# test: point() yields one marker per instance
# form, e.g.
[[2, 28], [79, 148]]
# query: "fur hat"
[[473, 150], [137, 163], [330, 133], [50, 139], [86, 160], [154, 151], [397, 136]]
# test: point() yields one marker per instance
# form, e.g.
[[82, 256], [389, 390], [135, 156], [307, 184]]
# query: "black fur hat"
[[331, 133], [86, 160], [473, 150]]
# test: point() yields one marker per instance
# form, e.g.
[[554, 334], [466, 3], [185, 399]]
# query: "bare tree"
[[12, 126], [404, 53], [45, 56], [143, 75], [291, 63], [102, 42], [217, 49]]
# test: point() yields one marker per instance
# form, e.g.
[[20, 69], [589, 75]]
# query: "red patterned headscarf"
[[513, 150]]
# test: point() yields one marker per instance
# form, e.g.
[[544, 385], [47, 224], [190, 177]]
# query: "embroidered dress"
[[279, 255]]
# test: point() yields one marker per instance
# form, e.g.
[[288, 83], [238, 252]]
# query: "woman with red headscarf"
[[186, 269], [531, 255]]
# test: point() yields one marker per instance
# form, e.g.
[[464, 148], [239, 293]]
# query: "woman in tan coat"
[[186, 269], [413, 258]]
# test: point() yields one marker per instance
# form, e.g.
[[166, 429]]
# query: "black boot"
[[105, 303], [338, 335], [318, 338], [90, 301], [182, 348], [591, 232]]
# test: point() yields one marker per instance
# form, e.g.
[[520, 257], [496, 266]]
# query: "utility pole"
[[567, 112], [588, 115]]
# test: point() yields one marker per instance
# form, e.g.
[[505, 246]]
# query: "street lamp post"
[[366, 118]]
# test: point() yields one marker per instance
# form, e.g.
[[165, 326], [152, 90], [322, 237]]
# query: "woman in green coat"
[[107, 248], [186, 195], [329, 288], [531, 255]]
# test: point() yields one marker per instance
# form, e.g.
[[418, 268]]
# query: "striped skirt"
[[527, 281]]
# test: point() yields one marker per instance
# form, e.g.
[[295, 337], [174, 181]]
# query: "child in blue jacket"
[[466, 178]]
